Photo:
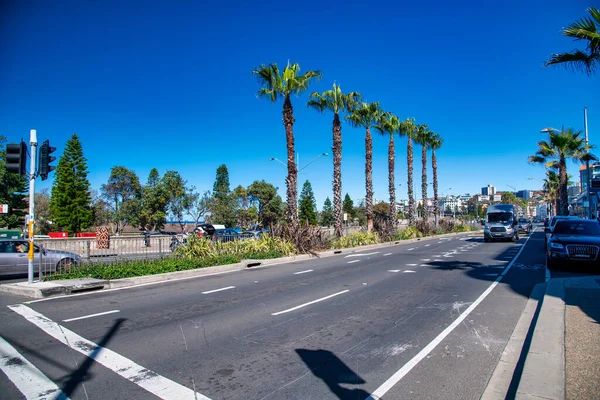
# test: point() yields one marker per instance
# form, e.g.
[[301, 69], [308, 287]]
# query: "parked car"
[[573, 243], [248, 235], [14, 260], [225, 235], [553, 221], [525, 225]]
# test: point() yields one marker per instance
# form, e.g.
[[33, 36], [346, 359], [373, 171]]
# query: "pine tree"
[[348, 207], [327, 213], [308, 205], [223, 211], [71, 202]]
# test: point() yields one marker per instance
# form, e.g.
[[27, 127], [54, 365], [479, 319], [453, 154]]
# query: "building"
[[523, 194], [583, 175], [488, 191], [452, 203]]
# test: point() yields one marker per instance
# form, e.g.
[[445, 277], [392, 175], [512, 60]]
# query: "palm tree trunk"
[[436, 207], [424, 181], [292, 179], [564, 195], [337, 176], [369, 179], [411, 198], [392, 182]]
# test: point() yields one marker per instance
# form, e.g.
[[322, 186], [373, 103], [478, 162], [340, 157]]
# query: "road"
[[419, 320]]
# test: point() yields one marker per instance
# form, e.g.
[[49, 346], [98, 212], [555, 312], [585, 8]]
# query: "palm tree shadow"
[[333, 372]]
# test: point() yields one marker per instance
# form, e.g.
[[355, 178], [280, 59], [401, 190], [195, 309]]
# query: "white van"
[[501, 222]]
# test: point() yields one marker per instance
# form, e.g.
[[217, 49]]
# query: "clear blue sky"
[[169, 85]]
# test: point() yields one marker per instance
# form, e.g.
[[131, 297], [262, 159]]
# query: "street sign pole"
[[32, 166]]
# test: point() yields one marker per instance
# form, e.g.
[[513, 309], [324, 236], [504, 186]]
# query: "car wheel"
[[65, 265]]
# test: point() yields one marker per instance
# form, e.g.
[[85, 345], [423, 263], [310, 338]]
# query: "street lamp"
[[298, 157]]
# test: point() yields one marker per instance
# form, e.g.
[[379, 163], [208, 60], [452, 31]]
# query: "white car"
[[14, 259]]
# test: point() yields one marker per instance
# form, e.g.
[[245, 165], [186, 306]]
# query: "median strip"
[[219, 290], [310, 302]]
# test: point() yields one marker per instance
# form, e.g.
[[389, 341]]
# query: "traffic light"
[[46, 159], [16, 158]]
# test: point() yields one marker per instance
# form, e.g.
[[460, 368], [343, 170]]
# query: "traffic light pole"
[[33, 142]]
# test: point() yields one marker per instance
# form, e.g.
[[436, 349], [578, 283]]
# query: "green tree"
[[199, 205], [554, 153], [149, 212], [223, 209], [307, 209], [367, 115], [274, 85], [390, 126], [588, 30], [246, 213], [43, 221], [423, 137], [13, 191], [436, 143], [348, 207], [122, 188], [336, 101], [71, 202], [178, 196], [327, 213], [264, 197]]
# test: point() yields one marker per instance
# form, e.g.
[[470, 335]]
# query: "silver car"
[[14, 260]]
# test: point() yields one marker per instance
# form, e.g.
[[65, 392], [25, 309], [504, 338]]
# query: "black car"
[[225, 235], [573, 243]]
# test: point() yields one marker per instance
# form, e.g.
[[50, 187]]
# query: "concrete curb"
[[544, 371], [40, 290]]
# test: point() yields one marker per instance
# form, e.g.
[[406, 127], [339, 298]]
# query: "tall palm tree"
[[367, 115], [408, 128], [587, 29], [551, 187], [274, 85], [335, 100], [390, 126], [436, 143], [554, 153], [423, 137]]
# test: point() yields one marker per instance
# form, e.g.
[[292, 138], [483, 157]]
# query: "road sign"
[[3, 208]]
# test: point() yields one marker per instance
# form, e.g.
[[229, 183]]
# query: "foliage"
[[267, 245], [410, 232], [123, 186], [71, 201], [223, 209], [13, 191], [327, 213], [198, 205], [355, 239], [43, 222], [246, 213], [306, 238], [269, 204], [588, 30], [152, 211], [348, 207], [178, 196], [307, 208]]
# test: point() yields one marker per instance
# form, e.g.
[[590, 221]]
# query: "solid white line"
[[219, 290], [149, 380], [311, 302], [303, 272], [90, 316], [401, 373], [353, 261], [388, 254], [26, 377]]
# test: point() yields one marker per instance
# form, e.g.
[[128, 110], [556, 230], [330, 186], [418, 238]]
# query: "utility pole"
[[587, 167], [32, 167]]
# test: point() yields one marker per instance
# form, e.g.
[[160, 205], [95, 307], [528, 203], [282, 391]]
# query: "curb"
[[544, 370], [39, 290]]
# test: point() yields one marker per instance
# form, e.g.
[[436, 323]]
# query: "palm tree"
[[408, 129], [423, 137], [367, 115], [390, 125], [587, 29], [335, 100], [274, 85], [551, 187], [435, 144], [554, 152]]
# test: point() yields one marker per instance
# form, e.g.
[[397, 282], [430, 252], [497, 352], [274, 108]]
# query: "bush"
[[355, 239], [202, 248], [306, 239], [410, 232]]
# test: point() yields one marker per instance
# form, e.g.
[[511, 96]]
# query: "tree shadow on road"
[[333, 372]]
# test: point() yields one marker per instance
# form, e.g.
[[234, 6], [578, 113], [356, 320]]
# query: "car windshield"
[[503, 217], [577, 228]]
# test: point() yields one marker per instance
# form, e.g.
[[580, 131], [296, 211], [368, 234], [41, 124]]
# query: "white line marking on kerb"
[[219, 290], [401, 373], [310, 302], [91, 316], [353, 261], [146, 379], [26, 377], [303, 272]]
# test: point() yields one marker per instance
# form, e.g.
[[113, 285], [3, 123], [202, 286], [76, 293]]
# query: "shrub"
[[202, 248], [410, 232], [355, 239], [306, 239]]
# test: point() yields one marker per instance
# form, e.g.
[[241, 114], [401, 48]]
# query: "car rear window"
[[566, 227]]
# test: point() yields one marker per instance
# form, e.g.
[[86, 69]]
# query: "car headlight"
[[556, 246]]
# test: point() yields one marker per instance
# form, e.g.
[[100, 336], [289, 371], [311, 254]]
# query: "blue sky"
[[169, 85]]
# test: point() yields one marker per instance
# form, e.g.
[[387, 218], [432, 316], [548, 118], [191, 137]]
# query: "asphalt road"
[[422, 320]]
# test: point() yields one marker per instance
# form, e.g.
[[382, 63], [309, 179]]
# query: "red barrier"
[[58, 235], [86, 234]]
